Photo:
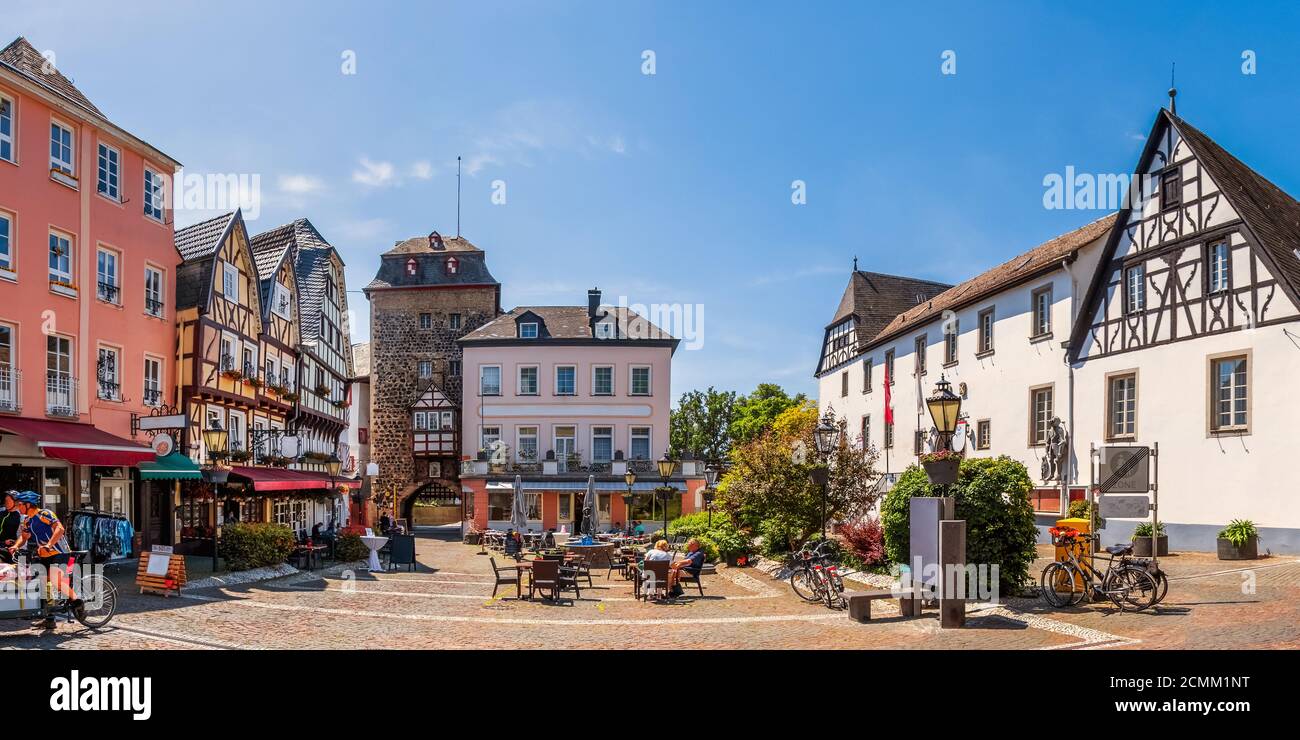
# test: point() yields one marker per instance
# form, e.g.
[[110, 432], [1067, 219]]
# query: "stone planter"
[[942, 472], [1142, 546], [1249, 550]]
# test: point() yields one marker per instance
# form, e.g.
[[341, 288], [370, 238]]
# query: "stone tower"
[[429, 292]]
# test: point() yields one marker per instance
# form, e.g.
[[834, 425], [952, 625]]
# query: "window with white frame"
[[250, 363], [921, 345], [6, 241], [60, 259], [639, 443], [108, 370], [602, 444], [453, 368], [986, 331], [152, 381], [489, 437], [1217, 271], [281, 301], [7, 129], [154, 189], [528, 330], [866, 375], [110, 172], [8, 377], [425, 368], [1229, 400], [426, 321], [60, 388], [526, 443], [527, 380], [237, 427], [230, 281], [489, 380], [1135, 289], [453, 321], [983, 434], [62, 147], [420, 421], [950, 343], [602, 380], [227, 353], [640, 383], [1122, 394], [448, 420], [106, 286], [566, 380], [153, 291], [865, 432], [1040, 405], [1041, 302]]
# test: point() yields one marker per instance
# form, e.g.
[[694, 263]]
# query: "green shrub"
[[349, 548], [992, 495], [779, 536], [255, 545], [692, 525], [1081, 509], [709, 547], [723, 539], [1238, 532]]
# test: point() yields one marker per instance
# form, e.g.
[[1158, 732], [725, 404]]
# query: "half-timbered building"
[[1172, 322]]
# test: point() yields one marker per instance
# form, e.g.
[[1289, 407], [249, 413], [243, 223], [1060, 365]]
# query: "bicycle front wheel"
[[1059, 585], [99, 597], [801, 581], [1132, 589]]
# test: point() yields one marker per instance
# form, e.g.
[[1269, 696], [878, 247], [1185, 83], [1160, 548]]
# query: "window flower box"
[[232, 374]]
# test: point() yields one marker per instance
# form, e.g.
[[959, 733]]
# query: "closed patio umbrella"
[[589, 508], [518, 510]]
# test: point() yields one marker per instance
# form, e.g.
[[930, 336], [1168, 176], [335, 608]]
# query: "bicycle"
[[98, 594], [1129, 585], [807, 579]]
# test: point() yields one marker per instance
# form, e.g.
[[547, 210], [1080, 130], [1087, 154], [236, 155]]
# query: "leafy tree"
[[755, 413], [992, 495], [701, 425], [769, 488]]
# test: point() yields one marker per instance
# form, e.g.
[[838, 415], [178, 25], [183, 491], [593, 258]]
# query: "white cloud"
[[300, 184], [422, 170], [375, 174]]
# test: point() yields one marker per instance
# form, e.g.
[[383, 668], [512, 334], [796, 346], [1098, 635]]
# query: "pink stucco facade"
[[35, 305]]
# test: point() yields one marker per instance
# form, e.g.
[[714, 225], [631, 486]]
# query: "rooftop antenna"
[[1173, 91], [457, 196], [855, 264]]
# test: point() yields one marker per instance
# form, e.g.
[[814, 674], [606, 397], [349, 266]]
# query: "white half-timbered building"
[[1174, 321]]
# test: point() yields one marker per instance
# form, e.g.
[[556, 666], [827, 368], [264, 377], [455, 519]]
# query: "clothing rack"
[[107, 535]]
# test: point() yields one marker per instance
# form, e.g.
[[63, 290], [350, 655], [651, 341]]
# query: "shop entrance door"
[[114, 496]]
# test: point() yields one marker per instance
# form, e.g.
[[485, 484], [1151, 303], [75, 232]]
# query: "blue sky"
[[676, 187]]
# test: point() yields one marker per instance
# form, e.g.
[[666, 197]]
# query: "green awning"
[[172, 467]]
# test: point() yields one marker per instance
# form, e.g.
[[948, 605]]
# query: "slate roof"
[[995, 280], [431, 268], [24, 59], [1272, 215], [311, 255], [875, 298], [568, 323], [197, 245]]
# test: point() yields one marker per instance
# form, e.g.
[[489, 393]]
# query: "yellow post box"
[[1081, 549]]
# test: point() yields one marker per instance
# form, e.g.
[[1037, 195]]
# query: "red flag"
[[889, 406]]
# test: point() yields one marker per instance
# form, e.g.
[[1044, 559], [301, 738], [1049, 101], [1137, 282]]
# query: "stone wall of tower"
[[397, 345]]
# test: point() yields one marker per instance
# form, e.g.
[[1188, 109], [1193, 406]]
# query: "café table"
[[375, 543], [597, 554]]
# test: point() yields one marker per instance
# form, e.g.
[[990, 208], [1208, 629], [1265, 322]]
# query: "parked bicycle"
[[1129, 583], [815, 578]]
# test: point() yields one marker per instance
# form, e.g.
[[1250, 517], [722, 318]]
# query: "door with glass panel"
[[566, 444], [8, 381], [59, 388]]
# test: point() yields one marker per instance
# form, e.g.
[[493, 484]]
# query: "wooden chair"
[[545, 577], [685, 576], [582, 568], [656, 573], [569, 580], [618, 560], [506, 578]]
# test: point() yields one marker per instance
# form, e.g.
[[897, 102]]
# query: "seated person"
[[693, 563], [639, 528], [316, 532], [659, 552], [548, 542]]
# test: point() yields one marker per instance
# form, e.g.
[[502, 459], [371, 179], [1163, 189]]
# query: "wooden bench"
[[860, 602]]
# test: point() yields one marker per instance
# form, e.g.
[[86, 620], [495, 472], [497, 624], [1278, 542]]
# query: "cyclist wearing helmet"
[[10, 520], [42, 527]]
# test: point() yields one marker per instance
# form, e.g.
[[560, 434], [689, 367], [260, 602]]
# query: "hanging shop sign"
[[163, 445]]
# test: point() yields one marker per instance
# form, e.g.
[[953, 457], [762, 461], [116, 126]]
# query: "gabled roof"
[[876, 298], [1270, 215], [23, 58], [568, 323], [198, 244], [1005, 275], [311, 256]]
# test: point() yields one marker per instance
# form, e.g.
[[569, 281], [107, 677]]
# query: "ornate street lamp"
[[215, 440], [666, 467], [945, 409], [630, 479], [824, 436], [710, 489]]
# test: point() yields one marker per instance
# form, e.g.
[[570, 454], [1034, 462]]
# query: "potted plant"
[[941, 467], [232, 374], [1239, 540], [1142, 539], [290, 396], [255, 381], [322, 390]]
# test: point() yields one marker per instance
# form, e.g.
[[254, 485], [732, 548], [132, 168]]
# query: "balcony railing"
[[153, 306], [106, 291], [60, 394], [227, 363], [10, 388], [152, 397], [109, 391]]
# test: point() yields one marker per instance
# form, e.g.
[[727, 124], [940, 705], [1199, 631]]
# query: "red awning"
[[80, 444], [279, 479]]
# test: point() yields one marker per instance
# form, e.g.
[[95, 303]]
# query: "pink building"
[[87, 329], [556, 394]]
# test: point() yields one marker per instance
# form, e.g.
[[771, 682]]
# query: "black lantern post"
[[215, 442], [710, 489], [824, 437], [630, 479], [666, 467], [945, 410]]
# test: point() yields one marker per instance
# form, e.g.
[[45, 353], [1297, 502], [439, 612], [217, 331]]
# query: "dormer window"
[[604, 330], [528, 330], [453, 265], [410, 266], [435, 241]]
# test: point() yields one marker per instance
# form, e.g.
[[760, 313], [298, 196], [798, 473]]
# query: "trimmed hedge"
[[992, 495], [255, 545]]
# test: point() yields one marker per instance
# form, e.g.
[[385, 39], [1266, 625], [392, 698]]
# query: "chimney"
[[593, 303]]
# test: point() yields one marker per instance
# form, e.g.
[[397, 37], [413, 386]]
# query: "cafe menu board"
[[161, 571]]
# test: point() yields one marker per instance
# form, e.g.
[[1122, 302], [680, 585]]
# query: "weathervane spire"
[[855, 263], [1173, 91]]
